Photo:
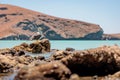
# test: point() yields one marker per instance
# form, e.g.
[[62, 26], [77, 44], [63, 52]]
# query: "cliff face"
[[20, 23]]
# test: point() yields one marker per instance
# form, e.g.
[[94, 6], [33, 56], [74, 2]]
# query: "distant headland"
[[18, 23]]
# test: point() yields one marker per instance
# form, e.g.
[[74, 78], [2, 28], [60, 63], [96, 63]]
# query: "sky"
[[106, 13]]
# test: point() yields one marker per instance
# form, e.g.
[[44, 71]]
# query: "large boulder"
[[45, 71], [100, 61]]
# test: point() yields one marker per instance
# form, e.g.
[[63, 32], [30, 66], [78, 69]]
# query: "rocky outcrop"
[[20, 23], [46, 71], [40, 46]]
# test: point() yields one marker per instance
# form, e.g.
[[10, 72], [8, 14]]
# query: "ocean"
[[63, 44]]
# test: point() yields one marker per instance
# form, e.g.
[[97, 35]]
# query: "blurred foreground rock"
[[63, 64], [99, 61], [45, 71]]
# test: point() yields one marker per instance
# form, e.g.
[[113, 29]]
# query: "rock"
[[46, 45], [39, 58], [74, 77], [69, 49], [6, 63], [19, 48], [10, 62], [23, 26], [36, 47], [54, 50], [14, 52], [58, 55], [95, 77], [20, 53], [24, 45], [7, 51], [115, 76], [35, 37], [45, 71], [100, 61], [38, 36], [39, 46]]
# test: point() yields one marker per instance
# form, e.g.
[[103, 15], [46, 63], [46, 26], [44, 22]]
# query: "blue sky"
[[106, 13]]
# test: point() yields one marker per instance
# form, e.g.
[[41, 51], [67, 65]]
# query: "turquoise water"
[[80, 45], [63, 44]]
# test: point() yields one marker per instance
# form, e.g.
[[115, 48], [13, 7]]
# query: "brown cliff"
[[21, 23]]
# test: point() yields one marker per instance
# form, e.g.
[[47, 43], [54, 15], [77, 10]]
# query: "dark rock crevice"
[[3, 8], [3, 15]]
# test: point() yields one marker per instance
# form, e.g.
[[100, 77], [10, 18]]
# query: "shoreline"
[[69, 64], [78, 45]]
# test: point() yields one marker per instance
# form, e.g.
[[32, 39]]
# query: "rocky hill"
[[21, 23]]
